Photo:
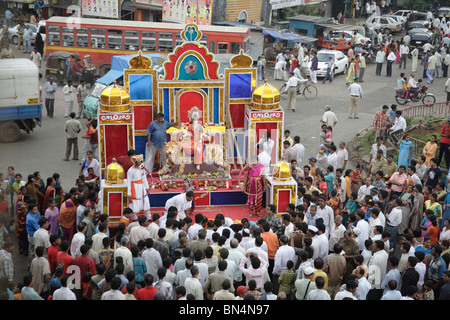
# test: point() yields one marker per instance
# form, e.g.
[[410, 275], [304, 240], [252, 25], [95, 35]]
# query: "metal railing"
[[439, 110]]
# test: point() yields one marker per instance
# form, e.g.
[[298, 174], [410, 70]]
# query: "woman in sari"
[[90, 162], [351, 73], [255, 185], [405, 153], [433, 205], [49, 192], [52, 214], [398, 57], [429, 151], [433, 229], [321, 184], [21, 220], [31, 187], [358, 177], [408, 200], [417, 209], [40, 186], [335, 202], [68, 214]]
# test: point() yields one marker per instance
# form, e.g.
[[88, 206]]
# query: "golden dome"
[[281, 171], [140, 62], [114, 173], [241, 60], [115, 98], [266, 97]]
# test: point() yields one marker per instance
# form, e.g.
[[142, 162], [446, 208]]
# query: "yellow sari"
[[429, 151]]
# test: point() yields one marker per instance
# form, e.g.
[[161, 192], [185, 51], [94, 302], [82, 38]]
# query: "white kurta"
[[180, 202], [137, 186]]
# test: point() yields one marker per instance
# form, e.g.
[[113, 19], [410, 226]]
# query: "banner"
[[101, 8], [188, 11], [280, 4]]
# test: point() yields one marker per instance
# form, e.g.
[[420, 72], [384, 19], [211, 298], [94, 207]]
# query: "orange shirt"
[[271, 240], [434, 231], [125, 221]]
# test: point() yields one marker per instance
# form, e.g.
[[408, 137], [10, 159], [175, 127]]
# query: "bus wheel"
[[9, 131], [103, 70]]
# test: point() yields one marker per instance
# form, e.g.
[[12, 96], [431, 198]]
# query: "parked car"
[[398, 19], [418, 39], [13, 32], [418, 16], [421, 24], [338, 57], [402, 13], [385, 24], [419, 30]]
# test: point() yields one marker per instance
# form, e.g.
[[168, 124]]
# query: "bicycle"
[[309, 91]]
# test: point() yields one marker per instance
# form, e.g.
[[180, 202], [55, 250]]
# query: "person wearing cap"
[[138, 189], [444, 149], [241, 292], [305, 285], [356, 94], [390, 167], [377, 163]]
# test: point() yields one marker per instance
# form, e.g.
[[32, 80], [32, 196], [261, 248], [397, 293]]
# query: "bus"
[[102, 38]]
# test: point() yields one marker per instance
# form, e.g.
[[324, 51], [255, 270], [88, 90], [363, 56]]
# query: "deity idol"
[[194, 137]]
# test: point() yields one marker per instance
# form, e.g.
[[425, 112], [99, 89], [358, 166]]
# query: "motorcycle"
[[403, 98]]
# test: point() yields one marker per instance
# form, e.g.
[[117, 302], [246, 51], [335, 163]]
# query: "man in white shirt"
[[365, 189], [412, 85], [264, 158], [351, 287], [377, 265], [282, 256], [193, 229], [342, 155], [183, 202], [379, 58], [64, 293], [291, 89], [323, 242], [375, 221], [404, 51], [393, 220], [69, 98], [267, 143], [398, 127], [139, 232], [411, 173], [114, 293], [299, 148], [78, 240], [193, 285], [320, 293], [390, 60], [36, 58], [355, 95], [337, 232], [152, 258], [363, 226], [333, 159], [326, 213], [329, 117]]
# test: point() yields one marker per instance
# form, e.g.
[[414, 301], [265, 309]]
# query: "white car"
[[385, 24], [339, 59], [402, 13], [360, 39], [13, 32]]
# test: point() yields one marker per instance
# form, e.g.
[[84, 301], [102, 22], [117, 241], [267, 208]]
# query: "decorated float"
[[218, 119]]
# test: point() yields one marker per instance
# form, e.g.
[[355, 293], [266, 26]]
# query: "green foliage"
[[308, 9]]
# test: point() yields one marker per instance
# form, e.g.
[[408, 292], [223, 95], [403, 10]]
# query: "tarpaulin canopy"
[[287, 36], [118, 63]]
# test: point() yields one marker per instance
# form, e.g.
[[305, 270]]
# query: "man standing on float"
[[138, 188]]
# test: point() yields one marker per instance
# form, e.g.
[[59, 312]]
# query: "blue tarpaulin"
[[287, 36], [118, 63]]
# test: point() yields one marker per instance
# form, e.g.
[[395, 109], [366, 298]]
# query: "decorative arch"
[[189, 98]]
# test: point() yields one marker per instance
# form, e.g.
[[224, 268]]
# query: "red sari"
[[254, 188], [49, 194]]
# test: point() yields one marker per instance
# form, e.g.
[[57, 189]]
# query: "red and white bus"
[[102, 38]]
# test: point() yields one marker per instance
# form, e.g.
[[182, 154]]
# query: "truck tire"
[[9, 132]]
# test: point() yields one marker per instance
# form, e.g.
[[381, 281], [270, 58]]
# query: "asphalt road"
[[44, 149]]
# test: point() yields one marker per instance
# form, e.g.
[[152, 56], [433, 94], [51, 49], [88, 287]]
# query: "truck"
[[20, 104]]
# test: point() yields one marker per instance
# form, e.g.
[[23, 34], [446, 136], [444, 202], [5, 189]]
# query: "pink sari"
[[254, 187]]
